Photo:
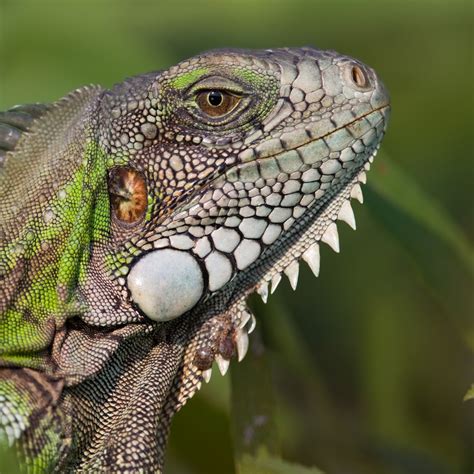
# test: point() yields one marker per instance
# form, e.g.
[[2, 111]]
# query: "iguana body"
[[136, 221]]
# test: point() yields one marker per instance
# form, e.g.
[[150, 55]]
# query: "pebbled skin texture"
[[102, 181]]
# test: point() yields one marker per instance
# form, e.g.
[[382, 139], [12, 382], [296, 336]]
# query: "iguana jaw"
[[238, 203], [318, 223], [301, 240], [245, 226], [314, 215]]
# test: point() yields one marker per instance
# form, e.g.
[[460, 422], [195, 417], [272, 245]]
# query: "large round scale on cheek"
[[166, 283]]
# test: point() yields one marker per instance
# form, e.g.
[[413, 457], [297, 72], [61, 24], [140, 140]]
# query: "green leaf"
[[264, 464], [470, 394], [257, 447], [401, 190], [9, 460], [252, 402], [441, 254]]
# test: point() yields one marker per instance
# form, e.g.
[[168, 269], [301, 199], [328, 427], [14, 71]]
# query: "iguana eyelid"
[[218, 83]]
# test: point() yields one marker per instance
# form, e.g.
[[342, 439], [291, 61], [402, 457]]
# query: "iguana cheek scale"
[[137, 220], [166, 283]]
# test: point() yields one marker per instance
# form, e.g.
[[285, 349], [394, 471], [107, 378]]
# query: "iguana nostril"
[[359, 77]]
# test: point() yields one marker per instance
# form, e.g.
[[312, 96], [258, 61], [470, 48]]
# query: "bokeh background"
[[364, 369]]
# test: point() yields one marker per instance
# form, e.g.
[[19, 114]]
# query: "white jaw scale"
[[292, 272], [246, 326], [311, 255], [166, 283], [346, 214], [242, 340], [222, 363], [331, 237]]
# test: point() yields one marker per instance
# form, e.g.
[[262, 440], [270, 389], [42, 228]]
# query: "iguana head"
[[141, 218], [228, 168]]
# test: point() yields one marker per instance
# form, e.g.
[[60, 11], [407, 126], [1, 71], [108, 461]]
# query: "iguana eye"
[[128, 194], [217, 103]]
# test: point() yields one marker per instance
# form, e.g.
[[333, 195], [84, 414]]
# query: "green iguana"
[[134, 223]]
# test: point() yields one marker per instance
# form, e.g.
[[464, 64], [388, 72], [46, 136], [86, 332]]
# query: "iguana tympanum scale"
[[135, 221]]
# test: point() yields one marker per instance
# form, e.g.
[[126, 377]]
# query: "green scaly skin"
[[108, 326]]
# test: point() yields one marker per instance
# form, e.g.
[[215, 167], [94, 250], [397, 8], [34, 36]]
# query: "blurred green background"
[[364, 369]]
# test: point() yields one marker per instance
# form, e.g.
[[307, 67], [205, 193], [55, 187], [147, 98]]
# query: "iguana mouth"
[[311, 132], [286, 204], [300, 241]]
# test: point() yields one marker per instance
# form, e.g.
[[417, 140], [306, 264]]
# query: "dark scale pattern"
[[234, 199]]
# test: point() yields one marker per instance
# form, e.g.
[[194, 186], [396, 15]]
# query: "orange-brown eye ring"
[[128, 194], [217, 103]]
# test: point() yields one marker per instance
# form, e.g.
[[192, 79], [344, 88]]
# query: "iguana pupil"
[[215, 98]]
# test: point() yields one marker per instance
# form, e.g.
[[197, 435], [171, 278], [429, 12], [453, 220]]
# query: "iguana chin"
[[136, 221]]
